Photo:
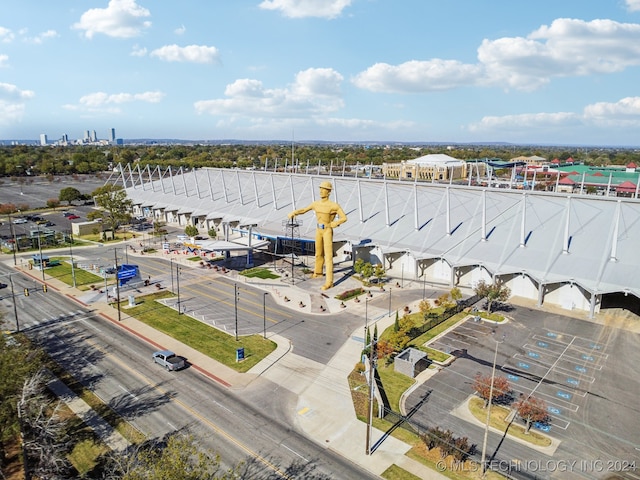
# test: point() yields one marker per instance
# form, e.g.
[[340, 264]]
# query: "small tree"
[[212, 233], [495, 292], [425, 306], [456, 294], [379, 272], [191, 230], [367, 271], [357, 266], [482, 386], [53, 203], [69, 194], [531, 409]]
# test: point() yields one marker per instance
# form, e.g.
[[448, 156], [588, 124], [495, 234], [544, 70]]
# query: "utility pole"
[[115, 255], [486, 429], [373, 354], [15, 309], [15, 240], [178, 285], [235, 297]]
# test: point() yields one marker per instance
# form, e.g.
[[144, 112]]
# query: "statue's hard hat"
[[326, 185]]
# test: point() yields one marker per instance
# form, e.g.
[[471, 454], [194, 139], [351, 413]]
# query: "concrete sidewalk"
[[324, 409]]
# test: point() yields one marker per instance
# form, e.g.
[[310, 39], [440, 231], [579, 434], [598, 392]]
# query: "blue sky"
[[549, 72]]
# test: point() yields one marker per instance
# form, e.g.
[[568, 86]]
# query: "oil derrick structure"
[[291, 244]]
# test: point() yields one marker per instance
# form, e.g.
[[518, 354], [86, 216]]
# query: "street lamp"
[[15, 241], [41, 261], [235, 297], [389, 301], [264, 314], [366, 320], [171, 270], [486, 429], [115, 255], [178, 284]]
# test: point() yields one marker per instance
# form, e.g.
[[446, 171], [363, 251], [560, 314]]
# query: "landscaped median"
[[197, 335]]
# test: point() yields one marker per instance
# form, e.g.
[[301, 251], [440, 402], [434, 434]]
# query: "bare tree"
[[43, 432]]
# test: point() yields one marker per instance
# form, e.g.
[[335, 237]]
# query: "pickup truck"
[[168, 360]]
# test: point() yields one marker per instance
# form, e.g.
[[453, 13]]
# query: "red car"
[[73, 217]]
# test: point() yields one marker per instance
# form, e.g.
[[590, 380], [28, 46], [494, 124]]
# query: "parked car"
[[168, 360], [3, 285], [20, 220], [73, 217]]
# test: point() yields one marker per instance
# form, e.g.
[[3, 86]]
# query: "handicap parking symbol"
[[543, 344], [533, 354], [523, 365], [515, 378], [588, 358], [565, 395], [554, 410], [552, 335], [595, 346], [572, 381], [580, 369], [542, 426]]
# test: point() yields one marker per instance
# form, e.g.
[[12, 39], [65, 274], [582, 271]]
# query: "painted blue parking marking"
[[554, 410], [588, 358], [595, 347], [533, 354], [580, 369], [552, 335], [542, 426], [565, 395], [543, 344], [523, 365], [515, 378], [572, 381]]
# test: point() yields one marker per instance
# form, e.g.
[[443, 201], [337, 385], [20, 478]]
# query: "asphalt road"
[[248, 426]]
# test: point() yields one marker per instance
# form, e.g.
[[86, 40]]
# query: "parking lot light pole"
[[15, 241], [264, 314], [41, 261], [486, 427], [115, 254]]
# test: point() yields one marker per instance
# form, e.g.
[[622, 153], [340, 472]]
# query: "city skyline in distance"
[[344, 71]]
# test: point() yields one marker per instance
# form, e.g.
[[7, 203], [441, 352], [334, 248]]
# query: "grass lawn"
[[498, 415], [394, 472], [63, 273], [263, 273], [212, 342], [395, 384]]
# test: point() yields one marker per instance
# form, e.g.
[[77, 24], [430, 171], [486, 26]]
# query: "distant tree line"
[[23, 160]]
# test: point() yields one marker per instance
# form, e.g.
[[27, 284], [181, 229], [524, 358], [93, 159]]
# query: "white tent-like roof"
[[588, 240]]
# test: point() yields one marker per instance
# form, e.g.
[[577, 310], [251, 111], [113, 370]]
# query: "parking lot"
[[581, 370]]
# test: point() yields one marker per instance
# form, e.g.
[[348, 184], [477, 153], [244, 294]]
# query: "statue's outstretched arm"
[[300, 211]]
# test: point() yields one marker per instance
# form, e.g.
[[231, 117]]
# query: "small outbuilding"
[[411, 362]]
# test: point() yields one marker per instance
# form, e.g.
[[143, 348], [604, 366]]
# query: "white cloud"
[[623, 113], [4, 59], [633, 5], [190, 53], [38, 39], [314, 92], [307, 8], [12, 105], [11, 92], [567, 47], [99, 101], [138, 51], [180, 30], [121, 19], [524, 121], [6, 35], [417, 76]]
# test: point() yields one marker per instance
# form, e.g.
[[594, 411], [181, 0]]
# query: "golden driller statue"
[[326, 212]]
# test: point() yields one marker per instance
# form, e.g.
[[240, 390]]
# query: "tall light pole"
[[366, 320], [171, 270], [115, 255], [15, 309], [486, 428], [73, 271], [235, 298], [178, 284], [15, 241], [389, 301], [264, 314], [41, 261]]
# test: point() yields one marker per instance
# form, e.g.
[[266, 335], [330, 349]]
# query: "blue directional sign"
[[565, 395]]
